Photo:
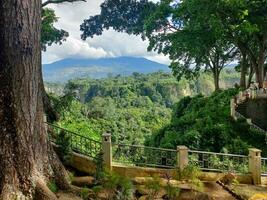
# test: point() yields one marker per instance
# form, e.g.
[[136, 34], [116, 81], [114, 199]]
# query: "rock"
[[67, 196], [192, 195], [83, 181], [144, 197], [259, 197], [141, 189]]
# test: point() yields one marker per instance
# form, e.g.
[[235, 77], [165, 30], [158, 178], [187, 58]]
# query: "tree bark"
[[24, 149], [216, 79], [243, 71], [250, 76]]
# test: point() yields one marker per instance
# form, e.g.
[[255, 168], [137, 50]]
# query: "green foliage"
[[117, 187], [85, 193], [97, 190], [191, 174], [50, 34], [99, 174], [204, 123], [172, 192], [52, 186], [131, 108], [153, 187], [63, 142], [127, 16]]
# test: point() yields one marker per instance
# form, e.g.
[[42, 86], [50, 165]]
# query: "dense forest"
[[155, 110]]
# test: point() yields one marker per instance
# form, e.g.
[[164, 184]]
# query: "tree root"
[[42, 192]]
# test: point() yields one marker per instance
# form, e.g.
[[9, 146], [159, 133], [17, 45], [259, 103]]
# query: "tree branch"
[[59, 1]]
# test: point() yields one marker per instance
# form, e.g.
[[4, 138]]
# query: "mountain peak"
[[70, 68]]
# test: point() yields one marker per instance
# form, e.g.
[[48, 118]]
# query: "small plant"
[[171, 192], [191, 174], [64, 146], [85, 193], [99, 174], [52, 186], [125, 189], [117, 187], [153, 187], [70, 177], [96, 191]]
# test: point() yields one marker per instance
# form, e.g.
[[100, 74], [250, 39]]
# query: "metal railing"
[[219, 162], [144, 156], [264, 166], [79, 143], [239, 115]]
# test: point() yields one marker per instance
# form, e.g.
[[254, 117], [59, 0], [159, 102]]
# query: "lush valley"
[[157, 110]]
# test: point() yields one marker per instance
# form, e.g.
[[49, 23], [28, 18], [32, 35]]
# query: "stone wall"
[[256, 109], [87, 165]]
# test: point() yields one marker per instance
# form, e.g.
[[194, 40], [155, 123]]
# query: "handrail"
[[147, 147], [219, 154], [77, 134], [144, 156], [80, 143]]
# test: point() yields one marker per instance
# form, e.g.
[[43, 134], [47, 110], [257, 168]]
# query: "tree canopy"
[[195, 34]]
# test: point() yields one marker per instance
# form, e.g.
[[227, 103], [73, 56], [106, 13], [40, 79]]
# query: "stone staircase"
[[252, 106]]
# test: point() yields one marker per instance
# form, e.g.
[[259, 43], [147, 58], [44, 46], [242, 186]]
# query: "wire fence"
[[144, 156], [79, 143], [219, 162]]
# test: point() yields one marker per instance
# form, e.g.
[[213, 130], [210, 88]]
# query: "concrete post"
[[182, 157], [254, 163], [232, 106], [249, 121], [241, 96], [254, 94], [250, 93], [107, 151]]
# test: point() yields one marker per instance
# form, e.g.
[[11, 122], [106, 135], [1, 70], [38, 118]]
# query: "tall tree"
[[27, 159], [244, 23], [174, 28]]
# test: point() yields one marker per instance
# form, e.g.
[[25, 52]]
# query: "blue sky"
[[110, 44]]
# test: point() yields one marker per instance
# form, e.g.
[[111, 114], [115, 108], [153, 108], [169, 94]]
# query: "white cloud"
[[109, 44]]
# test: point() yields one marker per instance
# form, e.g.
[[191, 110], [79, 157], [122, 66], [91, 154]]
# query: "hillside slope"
[[204, 123], [64, 70]]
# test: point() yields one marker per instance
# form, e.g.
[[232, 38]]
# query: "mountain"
[[64, 70]]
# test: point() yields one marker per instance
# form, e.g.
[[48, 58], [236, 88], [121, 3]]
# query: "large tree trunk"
[[243, 71], [259, 66], [26, 159], [216, 79], [250, 76]]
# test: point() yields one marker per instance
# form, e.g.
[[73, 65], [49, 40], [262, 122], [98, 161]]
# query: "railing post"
[[241, 96], [107, 150], [232, 105], [182, 157], [254, 163], [249, 121]]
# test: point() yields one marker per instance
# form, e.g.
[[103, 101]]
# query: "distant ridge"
[[66, 69]]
